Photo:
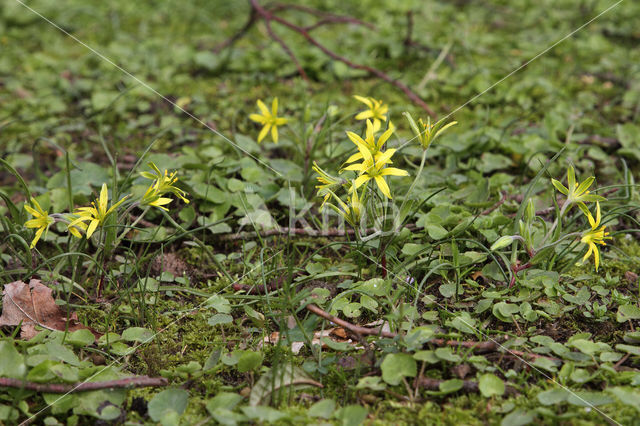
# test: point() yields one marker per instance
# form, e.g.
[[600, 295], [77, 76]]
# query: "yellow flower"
[[327, 183], [95, 214], [41, 220], [577, 192], [374, 168], [594, 236], [427, 133], [152, 198], [375, 148], [269, 120], [163, 183], [377, 111]]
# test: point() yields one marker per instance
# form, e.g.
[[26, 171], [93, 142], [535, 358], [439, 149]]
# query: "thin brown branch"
[[305, 232], [255, 289], [127, 383], [489, 346], [363, 331], [496, 205], [328, 17], [286, 48], [237, 36], [269, 16], [467, 386]]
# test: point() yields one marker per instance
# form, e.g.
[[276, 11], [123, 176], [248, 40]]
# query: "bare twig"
[[467, 386], [286, 48], [127, 383], [327, 17], [363, 331], [268, 14], [496, 205], [489, 346], [306, 232], [256, 289], [237, 36]]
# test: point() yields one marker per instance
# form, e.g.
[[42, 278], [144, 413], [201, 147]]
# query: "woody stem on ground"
[[487, 346], [126, 383]]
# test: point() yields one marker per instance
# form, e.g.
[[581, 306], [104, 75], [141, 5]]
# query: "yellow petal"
[[33, 223], [370, 133], [115, 206], [37, 236], [264, 132], [385, 136], [257, 118], [591, 221], [364, 115], [392, 171], [356, 168], [274, 106], [366, 101], [586, 256], [263, 108], [384, 188], [104, 200], [31, 210], [92, 227], [274, 134], [359, 181], [355, 138], [74, 231], [354, 157]]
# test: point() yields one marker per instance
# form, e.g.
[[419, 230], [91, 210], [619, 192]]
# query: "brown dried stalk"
[[491, 346], [127, 383]]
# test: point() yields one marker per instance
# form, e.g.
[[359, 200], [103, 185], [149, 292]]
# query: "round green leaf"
[[82, 337], [12, 364], [553, 396], [249, 361], [137, 334], [628, 312], [323, 409], [166, 402], [490, 385], [351, 415], [396, 366]]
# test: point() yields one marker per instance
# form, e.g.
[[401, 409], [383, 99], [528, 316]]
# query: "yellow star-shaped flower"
[[41, 220], [269, 120], [594, 236], [162, 183], [375, 168], [374, 147], [96, 214], [377, 111]]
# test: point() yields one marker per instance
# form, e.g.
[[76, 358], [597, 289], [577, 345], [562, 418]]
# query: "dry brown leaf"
[[33, 305]]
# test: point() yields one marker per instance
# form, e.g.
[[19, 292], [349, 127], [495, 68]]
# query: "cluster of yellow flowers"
[[371, 162], [88, 219], [579, 194]]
